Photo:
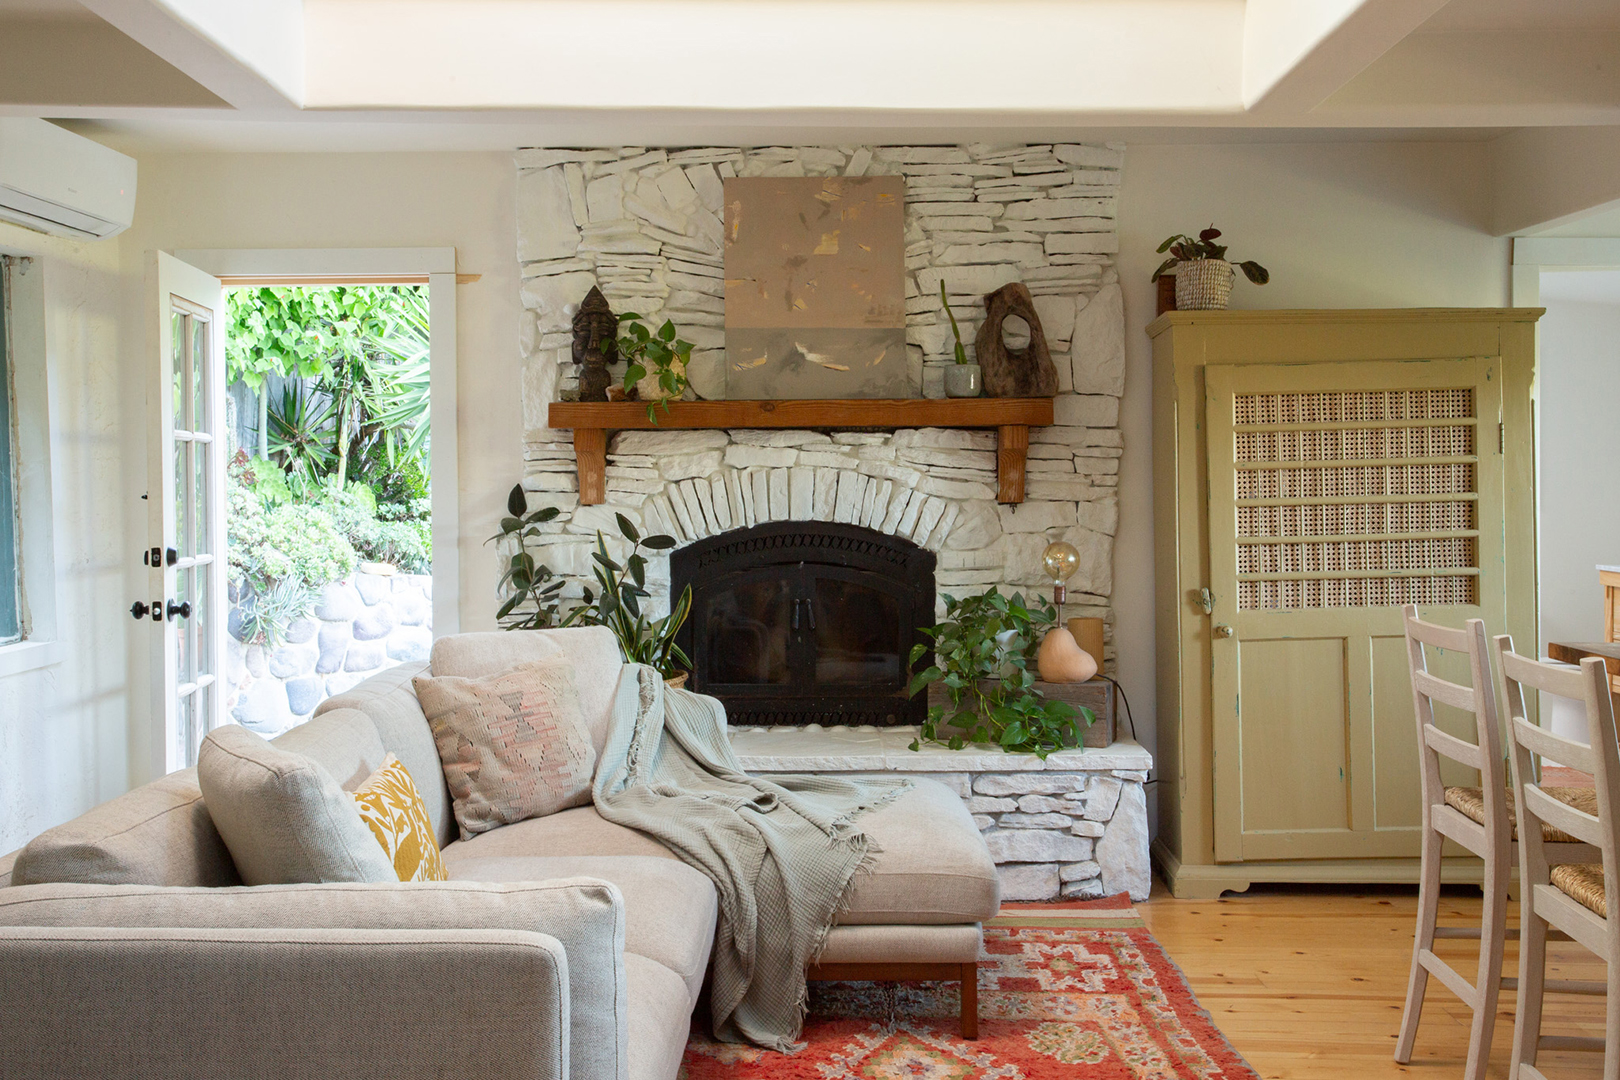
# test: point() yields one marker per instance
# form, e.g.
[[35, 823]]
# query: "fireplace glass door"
[[787, 628]]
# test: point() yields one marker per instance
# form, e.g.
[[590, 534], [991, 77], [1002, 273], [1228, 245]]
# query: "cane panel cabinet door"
[[1314, 471]]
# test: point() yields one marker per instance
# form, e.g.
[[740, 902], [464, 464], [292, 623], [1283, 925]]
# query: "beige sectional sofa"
[[563, 947]]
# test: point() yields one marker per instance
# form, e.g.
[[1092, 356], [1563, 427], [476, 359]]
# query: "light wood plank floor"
[[1307, 982]]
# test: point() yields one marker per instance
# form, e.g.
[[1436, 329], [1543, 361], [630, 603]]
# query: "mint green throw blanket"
[[783, 854]]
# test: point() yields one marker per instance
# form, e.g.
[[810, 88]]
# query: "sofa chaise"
[[563, 947]]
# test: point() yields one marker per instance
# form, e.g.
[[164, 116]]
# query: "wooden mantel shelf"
[[1011, 417]]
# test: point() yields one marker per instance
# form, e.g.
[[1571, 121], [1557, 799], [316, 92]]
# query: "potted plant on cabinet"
[[961, 378], [1203, 276]]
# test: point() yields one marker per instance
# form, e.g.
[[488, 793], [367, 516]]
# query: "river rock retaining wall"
[[361, 625]]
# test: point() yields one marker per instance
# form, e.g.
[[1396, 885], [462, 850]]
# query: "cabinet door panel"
[[1336, 493]]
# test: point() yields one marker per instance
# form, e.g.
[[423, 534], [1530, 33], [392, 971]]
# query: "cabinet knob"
[[1222, 630]]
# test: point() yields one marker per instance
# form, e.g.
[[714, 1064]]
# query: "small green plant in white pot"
[[961, 378]]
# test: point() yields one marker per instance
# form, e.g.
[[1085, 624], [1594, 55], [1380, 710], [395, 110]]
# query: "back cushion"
[[344, 742], [593, 650], [158, 834], [387, 698]]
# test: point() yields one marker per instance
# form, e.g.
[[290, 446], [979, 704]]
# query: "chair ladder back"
[[1486, 753]]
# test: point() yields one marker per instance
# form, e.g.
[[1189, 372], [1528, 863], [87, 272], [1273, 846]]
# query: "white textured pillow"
[[284, 818]]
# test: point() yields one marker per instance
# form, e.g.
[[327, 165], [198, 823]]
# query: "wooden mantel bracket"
[[591, 421]]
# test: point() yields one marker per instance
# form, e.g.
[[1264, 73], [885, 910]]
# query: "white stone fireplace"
[[645, 227]]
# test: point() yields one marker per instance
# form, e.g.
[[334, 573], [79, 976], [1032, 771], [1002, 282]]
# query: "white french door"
[[187, 496]]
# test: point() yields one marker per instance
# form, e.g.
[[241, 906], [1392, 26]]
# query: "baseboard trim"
[[1208, 882]]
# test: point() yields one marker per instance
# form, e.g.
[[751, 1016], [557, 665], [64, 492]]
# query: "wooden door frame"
[[434, 267], [1532, 257]]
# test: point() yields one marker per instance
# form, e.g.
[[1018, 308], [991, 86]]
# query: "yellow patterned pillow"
[[390, 804]]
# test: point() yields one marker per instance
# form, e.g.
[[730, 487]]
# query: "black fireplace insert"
[[806, 622]]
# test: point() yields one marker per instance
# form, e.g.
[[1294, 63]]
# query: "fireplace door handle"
[[810, 611], [796, 604]]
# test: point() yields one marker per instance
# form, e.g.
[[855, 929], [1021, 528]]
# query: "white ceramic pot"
[[1203, 285], [962, 380]]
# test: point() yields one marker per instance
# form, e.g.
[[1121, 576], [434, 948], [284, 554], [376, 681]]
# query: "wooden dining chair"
[[1479, 819], [1559, 894], [1479, 824]]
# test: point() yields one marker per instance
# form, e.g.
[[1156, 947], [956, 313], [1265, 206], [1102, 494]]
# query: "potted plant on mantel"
[[1203, 276], [961, 378], [983, 653], [534, 600], [657, 362]]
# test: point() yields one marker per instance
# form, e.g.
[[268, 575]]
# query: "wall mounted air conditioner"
[[61, 183]]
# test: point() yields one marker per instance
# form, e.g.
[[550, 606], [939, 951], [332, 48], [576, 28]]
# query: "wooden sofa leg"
[[970, 1001]]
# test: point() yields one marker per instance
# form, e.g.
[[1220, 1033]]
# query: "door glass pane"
[[199, 718], [185, 662], [746, 632], [199, 620], [183, 730], [182, 492], [177, 332], [855, 633], [199, 375], [199, 501]]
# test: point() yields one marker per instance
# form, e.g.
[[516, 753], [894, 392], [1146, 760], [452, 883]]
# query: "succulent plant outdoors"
[[1184, 248]]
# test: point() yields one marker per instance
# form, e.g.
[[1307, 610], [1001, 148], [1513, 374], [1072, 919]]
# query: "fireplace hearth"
[[806, 622]]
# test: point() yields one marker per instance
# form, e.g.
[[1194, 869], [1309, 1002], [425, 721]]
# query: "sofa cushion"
[[593, 650], [660, 1019], [581, 831], [669, 908], [284, 818], [158, 834], [344, 742], [893, 943], [392, 809], [513, 744], [931, 866], [390, 701]]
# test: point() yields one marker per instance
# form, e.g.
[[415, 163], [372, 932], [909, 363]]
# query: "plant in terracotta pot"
[[657, 361], [962, 378], [984, 653], [1203, 274]]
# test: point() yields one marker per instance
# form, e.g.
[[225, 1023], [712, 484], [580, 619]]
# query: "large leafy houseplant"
[[660, 354], [534, 598], [983, 655]]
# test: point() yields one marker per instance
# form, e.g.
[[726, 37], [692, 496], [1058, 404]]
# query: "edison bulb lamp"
[[1061, 560]]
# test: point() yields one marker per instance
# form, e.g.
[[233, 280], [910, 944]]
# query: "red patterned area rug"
[[1077, 991]]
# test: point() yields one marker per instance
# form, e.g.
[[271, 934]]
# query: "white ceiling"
[[415, 75]]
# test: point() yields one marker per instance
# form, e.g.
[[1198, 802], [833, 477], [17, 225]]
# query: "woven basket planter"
[[1203, 285]]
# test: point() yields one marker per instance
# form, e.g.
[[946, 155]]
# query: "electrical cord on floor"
[[1129, 718]]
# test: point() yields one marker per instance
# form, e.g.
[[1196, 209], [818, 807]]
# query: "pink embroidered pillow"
[[514, 744]]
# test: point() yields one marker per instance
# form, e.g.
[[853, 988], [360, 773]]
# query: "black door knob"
[[139, 609], [182, 609]]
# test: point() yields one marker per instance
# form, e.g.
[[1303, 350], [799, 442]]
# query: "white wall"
[[63, 726], [1580, 443], [1338, 226]]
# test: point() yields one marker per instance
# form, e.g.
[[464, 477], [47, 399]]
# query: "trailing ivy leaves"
[[983, 653], [659, 353]]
